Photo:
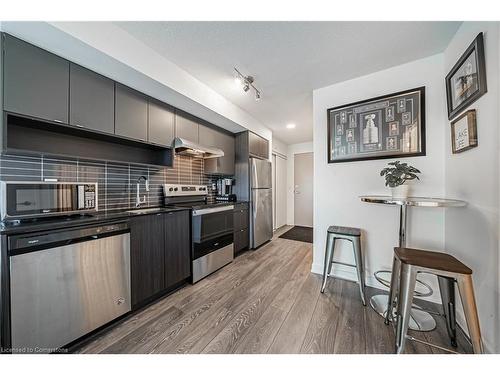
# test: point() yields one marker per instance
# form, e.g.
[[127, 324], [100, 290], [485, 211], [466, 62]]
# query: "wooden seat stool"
[[406, 265]]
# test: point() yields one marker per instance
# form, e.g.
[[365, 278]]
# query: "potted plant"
[[396, 176]]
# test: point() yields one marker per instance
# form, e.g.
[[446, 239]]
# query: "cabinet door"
[[131, 111], [161, 123], [186, 128], [36, 82], [264, 148], [178, 249], [213, 138], [147, 256], [91, 100], [240, 219], [254, 144], [241, 240]]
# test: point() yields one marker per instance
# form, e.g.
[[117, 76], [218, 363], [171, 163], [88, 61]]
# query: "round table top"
[[413, 201]]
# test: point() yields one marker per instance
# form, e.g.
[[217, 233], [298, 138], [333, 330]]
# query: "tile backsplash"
[[117, 181]]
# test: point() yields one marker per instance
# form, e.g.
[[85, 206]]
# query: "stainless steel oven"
[[213, 245], [25, 200]]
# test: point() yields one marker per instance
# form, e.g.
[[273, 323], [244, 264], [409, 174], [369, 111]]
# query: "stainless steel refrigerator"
[[261, 204]]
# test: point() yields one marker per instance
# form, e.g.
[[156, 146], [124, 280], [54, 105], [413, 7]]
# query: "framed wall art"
[[387, 126], [464, 132], [466, 82]]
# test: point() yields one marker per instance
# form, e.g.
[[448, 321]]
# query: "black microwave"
[[27, 200]]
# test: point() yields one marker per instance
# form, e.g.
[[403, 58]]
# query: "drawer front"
[[240, 220], [240, 206], [241, 240]]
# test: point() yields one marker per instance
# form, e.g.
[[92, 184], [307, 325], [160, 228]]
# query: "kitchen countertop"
[[101, 217], [59, 222]]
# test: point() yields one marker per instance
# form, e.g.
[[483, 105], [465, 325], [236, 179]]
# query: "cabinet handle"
[[79, 126], [59, 121]]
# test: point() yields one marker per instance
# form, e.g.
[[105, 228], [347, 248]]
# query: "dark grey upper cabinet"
[[186, 128], [91, 100], [258, 146], [131, 113], [36, 82], [214, 138], [161, 123]]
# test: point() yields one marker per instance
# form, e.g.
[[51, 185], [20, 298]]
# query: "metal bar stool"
[[407, 264], [349, 234]]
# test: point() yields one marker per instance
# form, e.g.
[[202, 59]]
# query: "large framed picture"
[[464, 132], [384, 127], [466, 82]]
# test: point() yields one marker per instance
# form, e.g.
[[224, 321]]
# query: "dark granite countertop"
[[62, 222]]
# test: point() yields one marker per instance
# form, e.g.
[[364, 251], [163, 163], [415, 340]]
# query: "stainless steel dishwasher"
[[66, 283]]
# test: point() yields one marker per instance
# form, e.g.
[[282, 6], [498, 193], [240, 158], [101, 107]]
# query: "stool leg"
[[393, 290], [466, 290], [447, 289], [330, 246], [358, 257], [405, 299]]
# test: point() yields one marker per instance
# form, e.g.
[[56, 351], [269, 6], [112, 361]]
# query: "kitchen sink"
[[139, 211]]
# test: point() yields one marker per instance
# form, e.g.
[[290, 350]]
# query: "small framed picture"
[[466, 82], [464, 132]]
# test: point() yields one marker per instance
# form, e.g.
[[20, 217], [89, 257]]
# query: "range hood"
[[185, 147]]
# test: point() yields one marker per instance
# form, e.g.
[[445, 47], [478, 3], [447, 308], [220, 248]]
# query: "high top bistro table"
[[420, 319]]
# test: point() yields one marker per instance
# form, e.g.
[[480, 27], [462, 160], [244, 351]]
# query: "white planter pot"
[[401, 191]]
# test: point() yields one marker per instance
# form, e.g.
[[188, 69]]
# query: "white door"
[[303, 189]]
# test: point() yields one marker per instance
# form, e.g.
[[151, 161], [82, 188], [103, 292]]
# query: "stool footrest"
[[429, 344], [344, 264]]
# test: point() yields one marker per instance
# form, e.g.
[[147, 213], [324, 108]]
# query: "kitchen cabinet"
[[241, 236], [36, 82], [186, 128], [258, 146], [160, 248], [91, 100], [131, 113], [147, 257], [214, 138], [161, 121], [178, 245]]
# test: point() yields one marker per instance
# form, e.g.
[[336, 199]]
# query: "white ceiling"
[[288, 59]]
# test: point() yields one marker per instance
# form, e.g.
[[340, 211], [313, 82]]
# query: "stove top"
[[201, 205]]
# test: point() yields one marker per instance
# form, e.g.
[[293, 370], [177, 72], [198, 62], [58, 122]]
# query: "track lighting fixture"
[[246, 82]]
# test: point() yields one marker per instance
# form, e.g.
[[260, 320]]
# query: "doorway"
[[303, 189]]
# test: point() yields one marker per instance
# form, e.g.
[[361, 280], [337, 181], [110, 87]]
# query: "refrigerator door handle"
[[254, 172], [254, 208]]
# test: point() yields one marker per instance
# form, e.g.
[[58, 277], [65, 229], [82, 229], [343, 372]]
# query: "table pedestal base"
[[419, 320]]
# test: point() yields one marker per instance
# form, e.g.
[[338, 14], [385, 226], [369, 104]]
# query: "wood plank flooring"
[[266, 301]]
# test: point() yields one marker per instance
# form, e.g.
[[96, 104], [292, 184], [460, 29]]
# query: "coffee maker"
[[225, 190]]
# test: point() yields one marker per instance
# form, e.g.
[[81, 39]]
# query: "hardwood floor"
[[266, 301]]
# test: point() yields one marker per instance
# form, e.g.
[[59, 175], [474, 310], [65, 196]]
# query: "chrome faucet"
[[138, 200]]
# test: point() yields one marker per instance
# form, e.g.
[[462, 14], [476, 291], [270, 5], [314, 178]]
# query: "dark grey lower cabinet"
[[178, 254], [160, 247], [241, 235]]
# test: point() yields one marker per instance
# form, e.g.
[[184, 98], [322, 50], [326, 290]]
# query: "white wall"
[[279, 147], [337, 187], [471, 234], [298, 148]]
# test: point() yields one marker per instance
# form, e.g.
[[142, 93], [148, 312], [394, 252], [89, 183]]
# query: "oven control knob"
[[171, 189], [175, 189]]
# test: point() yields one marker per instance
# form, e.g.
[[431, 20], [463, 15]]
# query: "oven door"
[[212, 223], [34, 199]]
